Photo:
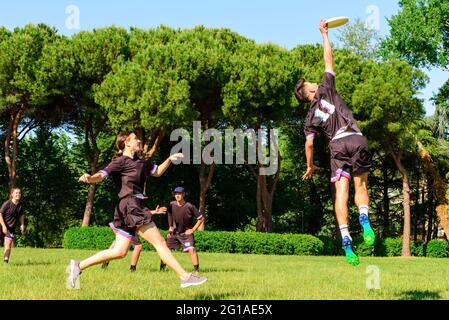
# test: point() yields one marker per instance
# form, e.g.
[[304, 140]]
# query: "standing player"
[[182, 226], [10, 212], [328, 113]]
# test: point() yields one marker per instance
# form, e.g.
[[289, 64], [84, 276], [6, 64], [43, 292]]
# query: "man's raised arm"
[[328, 58]]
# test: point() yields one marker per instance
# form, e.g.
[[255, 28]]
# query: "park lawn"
[[41, 274]]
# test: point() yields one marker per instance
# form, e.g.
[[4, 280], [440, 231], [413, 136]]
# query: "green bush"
[[417, 249], [306, 244], [438, 249], [264, 243], [332, 246], [209, 241], [392, 247], [220, 241], [362, 249], [88, 238]]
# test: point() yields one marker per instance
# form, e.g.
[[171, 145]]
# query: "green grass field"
[[41, 274]]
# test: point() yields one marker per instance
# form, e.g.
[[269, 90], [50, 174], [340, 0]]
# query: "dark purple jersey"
[[183, 216], [130, 173], [328, 112], [11, 213]]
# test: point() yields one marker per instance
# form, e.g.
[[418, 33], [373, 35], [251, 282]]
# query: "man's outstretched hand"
[[309, 172], [323, 26]]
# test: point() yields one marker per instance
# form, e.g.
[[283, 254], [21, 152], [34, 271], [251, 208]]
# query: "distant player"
[[11, 212], [181, 215]]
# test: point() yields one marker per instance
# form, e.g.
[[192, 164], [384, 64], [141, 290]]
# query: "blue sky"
[[284, 22]]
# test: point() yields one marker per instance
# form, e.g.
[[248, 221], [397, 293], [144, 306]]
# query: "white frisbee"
[[336, 22]]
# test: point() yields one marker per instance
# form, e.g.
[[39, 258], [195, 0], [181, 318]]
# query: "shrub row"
[[389, 247], [209, 241], [98, 238]]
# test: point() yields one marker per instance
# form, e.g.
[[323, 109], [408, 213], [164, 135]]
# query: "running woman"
[[130, 216]]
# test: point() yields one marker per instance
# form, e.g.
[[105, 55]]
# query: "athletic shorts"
[[9, 236], [130, 214], [349, 156], [174, 241], [135, 240]]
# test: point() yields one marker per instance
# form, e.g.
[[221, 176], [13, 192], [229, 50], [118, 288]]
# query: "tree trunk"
[[205, 181], [406, 204], [89, 205], [265, 206], [17, 113], [416, 209], [91, 191], [386, 201], [422, 214], [439, 187], [264, 197], [92, 155], [151, 146], [318, 210], [430, 211]]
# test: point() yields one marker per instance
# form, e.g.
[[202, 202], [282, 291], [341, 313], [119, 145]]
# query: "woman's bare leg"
[[151, 233]]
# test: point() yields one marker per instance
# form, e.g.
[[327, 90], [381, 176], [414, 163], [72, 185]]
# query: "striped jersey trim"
[[154, 169], [310, 136], [105, 174], [340, 173], [121, 232]]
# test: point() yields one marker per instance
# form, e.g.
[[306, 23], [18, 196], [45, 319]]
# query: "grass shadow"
[[420, 295], [221, 270], [31, 263], [211, 296], [202, 270]]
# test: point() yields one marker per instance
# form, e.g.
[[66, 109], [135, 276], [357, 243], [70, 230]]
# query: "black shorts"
[[130, 214], [349, 156], [9, 236], [175, 240]]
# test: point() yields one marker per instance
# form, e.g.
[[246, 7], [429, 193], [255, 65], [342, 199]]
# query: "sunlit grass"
[[40, 274]]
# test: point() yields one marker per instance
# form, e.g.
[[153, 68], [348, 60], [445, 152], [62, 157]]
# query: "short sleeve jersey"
[[129, 173], [183, 216], [11, 213], [328, 112]]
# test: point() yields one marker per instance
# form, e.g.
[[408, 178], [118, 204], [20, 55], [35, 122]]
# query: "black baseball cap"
[[179, 189]]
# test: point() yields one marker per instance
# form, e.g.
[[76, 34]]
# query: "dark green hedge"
[[209, 241], [390, 247], [264, 243]]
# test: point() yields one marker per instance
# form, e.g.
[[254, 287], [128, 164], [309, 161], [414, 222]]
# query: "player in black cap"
[[182, 226]]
